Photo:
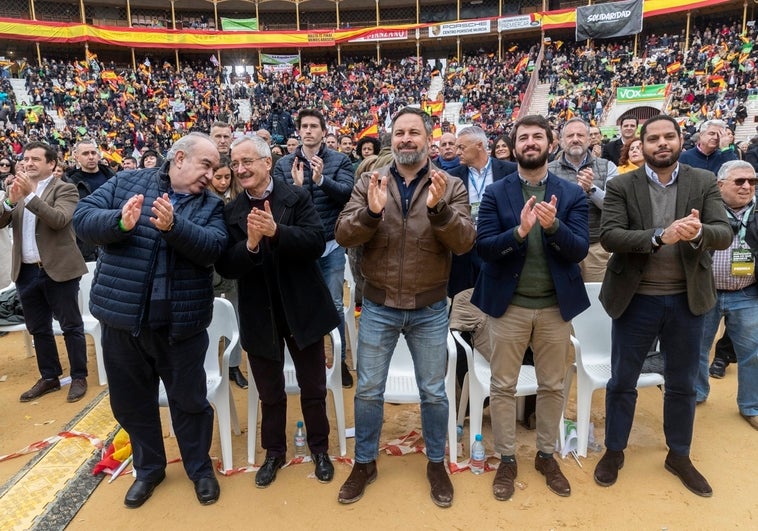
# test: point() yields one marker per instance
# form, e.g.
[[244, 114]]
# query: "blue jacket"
[[334, 192], [504, 257], [126, 266], [713, 162]]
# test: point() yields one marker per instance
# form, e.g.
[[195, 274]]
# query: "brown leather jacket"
[[406, 261]]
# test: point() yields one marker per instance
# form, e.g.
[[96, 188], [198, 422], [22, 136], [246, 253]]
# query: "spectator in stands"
[[129, 163], [8, 168], [447, 159], [596, 141], [612, 150], [221, 134], [346, 147], [331, 142], [367, 146], [88, 176], [631, 156], [736, 289], [713, 147], [579, 166], [160, 234], [292, 145], [47, 267], [501, 149], [751, 155], [280, 123], [327, 176], [150, 159]]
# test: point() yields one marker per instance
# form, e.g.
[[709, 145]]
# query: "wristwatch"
[[436, 209], [658, 237]]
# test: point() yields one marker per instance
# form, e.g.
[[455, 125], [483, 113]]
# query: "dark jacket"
[[406, 260], [337, 183], [504, 256], [627, 231], [465, 268], [713, 162], [77, 177], [126, 265], [612, 150], [292, 257]]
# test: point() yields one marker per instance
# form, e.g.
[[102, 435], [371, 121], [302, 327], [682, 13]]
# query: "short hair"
[[330, 134], [536, 120], [50, 154], [260, 145], [221, 125], [313, 113], [477, 133], [83, 141], [129, 158], [660, 118], [425, 118], [711, 123], [626, 117], [575, 120], [728, 167], [186, 143], [339, 139]]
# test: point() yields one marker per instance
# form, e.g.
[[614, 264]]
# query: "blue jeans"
[[425, 331], [740, 310], [333, 270], [680, 331]]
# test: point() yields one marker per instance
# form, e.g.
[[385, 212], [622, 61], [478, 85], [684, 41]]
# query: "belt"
[[38, 264]]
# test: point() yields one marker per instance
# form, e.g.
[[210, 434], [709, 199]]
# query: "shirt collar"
[[541, 183], [654, 176], [266, 192], [423, 171]]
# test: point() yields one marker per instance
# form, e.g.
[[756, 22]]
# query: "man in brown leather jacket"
[[409, 217]]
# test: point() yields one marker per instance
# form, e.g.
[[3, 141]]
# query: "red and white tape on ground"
[[46, 443]]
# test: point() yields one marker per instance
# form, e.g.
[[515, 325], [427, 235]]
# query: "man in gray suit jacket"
[[660, 222], [47, 267]]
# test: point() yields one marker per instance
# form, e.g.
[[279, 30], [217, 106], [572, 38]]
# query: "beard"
[[405, 158], [661, 163], [532, 163]]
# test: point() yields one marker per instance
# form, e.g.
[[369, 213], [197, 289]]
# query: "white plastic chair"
[[592, 342], [219, 394], [476, 386], [20, 327], [401, 385], [333, 384], [351, 331]]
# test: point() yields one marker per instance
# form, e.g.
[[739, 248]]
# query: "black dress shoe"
[[42, 387], [207, 490], [682, 467], [347, 378], [77, 390], [141, 490], [235, 374], [324, 467], [267, 473]]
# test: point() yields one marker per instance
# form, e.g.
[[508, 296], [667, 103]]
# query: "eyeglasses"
[[742, 180], [247, 163], [5, 164]]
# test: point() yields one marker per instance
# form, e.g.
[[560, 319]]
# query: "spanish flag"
[[673, 68], [372, 131], [521, 64], [434, 108]]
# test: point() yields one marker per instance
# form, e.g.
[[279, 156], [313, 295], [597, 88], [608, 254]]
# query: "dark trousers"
[[134, 365], [42, 298], [680, 332], [311, 377]]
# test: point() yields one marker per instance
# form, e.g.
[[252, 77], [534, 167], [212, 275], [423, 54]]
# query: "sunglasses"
[[5, 164], [739, 182]]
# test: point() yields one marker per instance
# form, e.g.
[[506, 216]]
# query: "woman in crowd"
[[502, 149], [7, 169], [631, 156], [150, 159]]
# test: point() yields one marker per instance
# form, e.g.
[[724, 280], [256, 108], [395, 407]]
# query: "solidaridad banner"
[[605, 21]]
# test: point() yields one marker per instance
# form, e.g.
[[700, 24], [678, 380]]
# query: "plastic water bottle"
[[459, 437], [300, 440], [478, 457]]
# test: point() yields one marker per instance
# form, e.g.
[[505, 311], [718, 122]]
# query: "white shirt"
[[29, 249]]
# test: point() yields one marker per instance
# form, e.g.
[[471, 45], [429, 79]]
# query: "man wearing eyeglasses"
[[275, 241], [736, 289]]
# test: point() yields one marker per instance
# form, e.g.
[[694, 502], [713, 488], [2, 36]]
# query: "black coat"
[[286, 266]]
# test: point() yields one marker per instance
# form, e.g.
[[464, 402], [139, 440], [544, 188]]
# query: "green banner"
[[643, 93], [271, 59], [239, 24]]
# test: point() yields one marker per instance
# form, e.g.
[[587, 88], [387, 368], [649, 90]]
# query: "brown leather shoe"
[[352, 490], [77, 390], [502, 486], [607, 469], [682, 467], [554, 478], [442, 487], [42, 387]]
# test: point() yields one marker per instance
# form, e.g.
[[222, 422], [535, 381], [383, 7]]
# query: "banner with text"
[[239, 24], [271, 59], [605, 21], [520, 22], [642, 93], [460, 28], [383, 35]]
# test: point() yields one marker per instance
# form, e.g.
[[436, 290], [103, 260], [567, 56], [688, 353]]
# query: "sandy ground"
[[645, 497]]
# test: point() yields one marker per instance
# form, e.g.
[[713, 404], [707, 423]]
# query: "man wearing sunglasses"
[[736, 289]]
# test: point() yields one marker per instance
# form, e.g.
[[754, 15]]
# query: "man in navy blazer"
[[477, 171], [532, 232]]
